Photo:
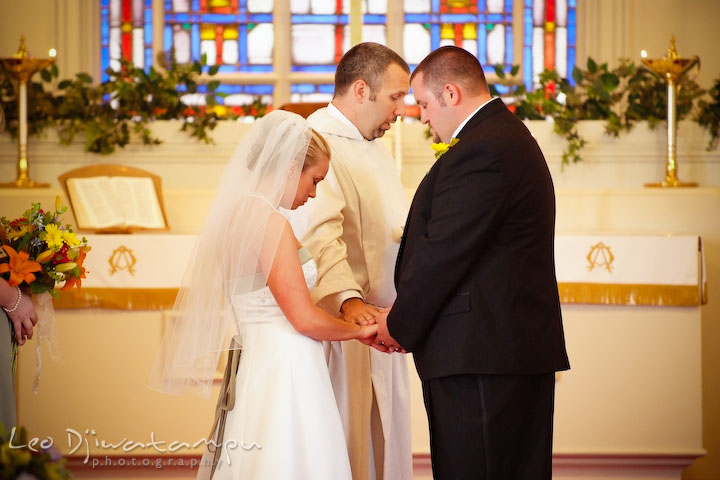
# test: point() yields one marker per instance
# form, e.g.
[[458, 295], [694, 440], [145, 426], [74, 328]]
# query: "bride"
[[248, 280]]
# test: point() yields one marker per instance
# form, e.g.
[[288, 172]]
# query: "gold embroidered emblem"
[[600, 256], [122, 258]]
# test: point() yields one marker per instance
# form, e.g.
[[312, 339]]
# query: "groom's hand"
[[371, 342], [383, 337], [356, 311]]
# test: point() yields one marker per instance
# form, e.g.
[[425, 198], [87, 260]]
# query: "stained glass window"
[[320, 35], [549, 38], [233, 95], [320, 31], [236, 35], [483, 27], [307, 92], [125, 32]]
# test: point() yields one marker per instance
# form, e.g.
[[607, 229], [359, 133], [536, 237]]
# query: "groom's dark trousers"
[[492, 414], [478, 304]]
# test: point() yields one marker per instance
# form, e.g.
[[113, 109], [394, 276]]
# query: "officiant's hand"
[[383, 336], [356, 311]]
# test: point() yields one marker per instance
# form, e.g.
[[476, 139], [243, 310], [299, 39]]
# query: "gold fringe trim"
[[117, 298], [590, 293], [632, 294]]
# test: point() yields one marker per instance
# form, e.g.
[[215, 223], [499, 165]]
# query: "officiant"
[[355, 226]]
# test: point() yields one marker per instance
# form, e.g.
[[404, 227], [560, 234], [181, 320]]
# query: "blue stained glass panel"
[[467, 28]]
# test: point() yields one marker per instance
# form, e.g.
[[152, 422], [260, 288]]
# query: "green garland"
[[109, 114], [621, 96]]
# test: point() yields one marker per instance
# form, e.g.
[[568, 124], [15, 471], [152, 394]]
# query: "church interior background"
[[643, 397]]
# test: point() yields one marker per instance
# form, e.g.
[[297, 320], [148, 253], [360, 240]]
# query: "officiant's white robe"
[[353, 229]]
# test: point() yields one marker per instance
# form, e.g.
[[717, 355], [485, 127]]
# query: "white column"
[[603, 31], [356, 22], [281, 55], [395, 22], [158, 46], [77, 37]]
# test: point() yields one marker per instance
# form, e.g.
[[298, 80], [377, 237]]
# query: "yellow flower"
[[70, 238], [65, 267], [21, 231], [54, 236], [440, 148], [45, 256]]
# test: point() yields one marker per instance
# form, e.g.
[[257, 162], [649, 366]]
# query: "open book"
[[116, 202]]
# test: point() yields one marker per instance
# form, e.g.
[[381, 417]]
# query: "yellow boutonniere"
[[441, 148]]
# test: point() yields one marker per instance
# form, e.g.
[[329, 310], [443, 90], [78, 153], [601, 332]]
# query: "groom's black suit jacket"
[[475, 275]]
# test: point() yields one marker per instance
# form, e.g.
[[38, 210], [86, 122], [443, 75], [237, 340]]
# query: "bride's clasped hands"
[[373, 316]]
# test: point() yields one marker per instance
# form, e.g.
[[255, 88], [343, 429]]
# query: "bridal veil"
[[233, 253]]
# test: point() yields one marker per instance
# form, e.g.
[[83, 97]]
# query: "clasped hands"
[[357, 311]]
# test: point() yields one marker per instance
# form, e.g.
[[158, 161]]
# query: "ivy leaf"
[[213, 85], [514, 70], [610, 81], [592, 66], [577, 75], [213, 70], [84, 77]]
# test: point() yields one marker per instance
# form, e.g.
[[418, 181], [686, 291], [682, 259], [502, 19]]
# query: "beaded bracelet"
[[17, 302]]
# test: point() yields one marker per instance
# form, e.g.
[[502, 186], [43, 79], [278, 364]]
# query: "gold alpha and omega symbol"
[[122, 258], [600, 256]]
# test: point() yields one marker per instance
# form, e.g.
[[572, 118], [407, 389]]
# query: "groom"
[[477, 300]]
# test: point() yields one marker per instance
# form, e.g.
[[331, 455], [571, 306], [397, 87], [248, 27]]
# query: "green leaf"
[[514, 70], [84, 77], [591, 65], [213, 70], [610, 81], [64, 84], [577, 75], [213, 85], [45, 75]]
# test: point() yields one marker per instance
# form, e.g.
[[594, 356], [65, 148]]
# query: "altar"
[[635, 268]]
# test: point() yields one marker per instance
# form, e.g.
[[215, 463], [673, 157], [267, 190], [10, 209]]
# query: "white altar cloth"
[[144, 271]]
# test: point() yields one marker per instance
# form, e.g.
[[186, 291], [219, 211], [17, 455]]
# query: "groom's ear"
[[451, 94]]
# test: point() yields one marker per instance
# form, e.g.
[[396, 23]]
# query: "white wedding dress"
[[285, 421]]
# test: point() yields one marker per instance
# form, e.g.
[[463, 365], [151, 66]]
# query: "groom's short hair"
[[366, 61], [451, 64]]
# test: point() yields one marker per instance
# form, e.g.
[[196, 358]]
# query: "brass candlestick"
[[21, 67], [671, 68]]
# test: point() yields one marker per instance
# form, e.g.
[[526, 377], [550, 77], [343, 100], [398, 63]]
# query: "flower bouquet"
[[19, 459], [37, 252]]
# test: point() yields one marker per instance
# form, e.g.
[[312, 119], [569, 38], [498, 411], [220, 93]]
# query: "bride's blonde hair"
[[318, 147]]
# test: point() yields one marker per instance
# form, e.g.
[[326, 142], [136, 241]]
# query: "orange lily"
[[70, 282], [19, 266]]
